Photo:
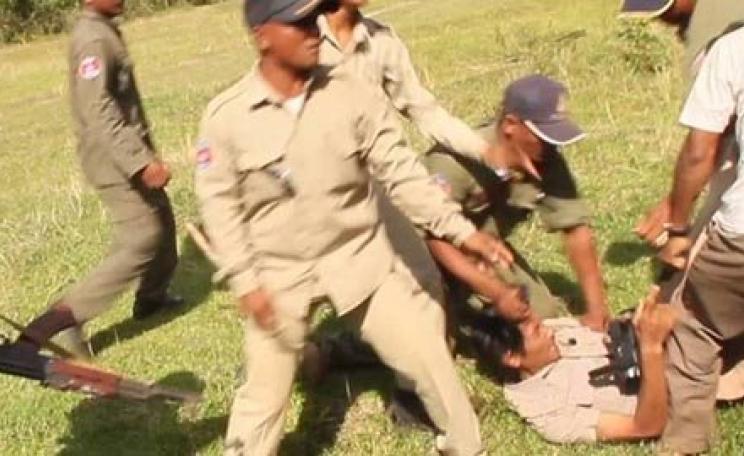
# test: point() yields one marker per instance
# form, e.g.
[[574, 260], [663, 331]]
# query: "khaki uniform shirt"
[[113, 138], [289, 199], [376, 54], [559, 402], [498, 206]]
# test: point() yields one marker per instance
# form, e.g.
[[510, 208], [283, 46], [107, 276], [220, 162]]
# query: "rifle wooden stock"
[[64, 375]]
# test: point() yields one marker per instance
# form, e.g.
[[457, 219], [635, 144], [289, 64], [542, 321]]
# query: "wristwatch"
[[504, 174], [677, 230]]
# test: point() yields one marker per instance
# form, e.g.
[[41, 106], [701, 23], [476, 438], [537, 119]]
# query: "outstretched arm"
[[582, 255], [654, 323], [506, 299]]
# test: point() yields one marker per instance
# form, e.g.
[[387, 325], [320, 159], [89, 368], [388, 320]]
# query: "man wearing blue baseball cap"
[[528, 175], [291, 165]]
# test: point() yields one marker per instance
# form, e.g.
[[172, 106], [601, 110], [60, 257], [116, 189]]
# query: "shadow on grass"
[[566, 289], [326, 405], [192, 280], [121, 427], [624, 253]]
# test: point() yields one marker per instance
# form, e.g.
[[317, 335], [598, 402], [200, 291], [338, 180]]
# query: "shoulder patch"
[[90, 67], [441, 181], [203, 155]]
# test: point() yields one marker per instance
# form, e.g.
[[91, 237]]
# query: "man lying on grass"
[[546, 366]]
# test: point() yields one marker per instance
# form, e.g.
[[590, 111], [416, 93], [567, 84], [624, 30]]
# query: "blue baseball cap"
[[645, 8], [540, 103], [258, 12]]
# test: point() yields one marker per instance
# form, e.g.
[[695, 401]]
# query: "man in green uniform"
[[118, 158], [532, 126], [291, 164]]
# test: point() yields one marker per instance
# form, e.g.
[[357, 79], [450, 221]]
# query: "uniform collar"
[[362, 33], [260, 92], [90, 14]]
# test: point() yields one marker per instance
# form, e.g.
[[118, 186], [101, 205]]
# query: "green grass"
[[52, 228]]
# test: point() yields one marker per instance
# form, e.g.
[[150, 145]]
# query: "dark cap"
[[258, 12], [645, 8], [540, 103]]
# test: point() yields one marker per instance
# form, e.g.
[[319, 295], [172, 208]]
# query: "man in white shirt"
[[714, 294]]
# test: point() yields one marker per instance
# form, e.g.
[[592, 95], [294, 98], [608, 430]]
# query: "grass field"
[[52, 228]]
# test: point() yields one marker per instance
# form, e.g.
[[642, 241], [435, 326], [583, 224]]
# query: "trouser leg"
[[159, 271], [135, 243], [260, 406], [693, 366], [407, 329]]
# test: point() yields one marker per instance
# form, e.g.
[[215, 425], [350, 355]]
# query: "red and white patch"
[[90, 67], [203, 155], [442, 183]]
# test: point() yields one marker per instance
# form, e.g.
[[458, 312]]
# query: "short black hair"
[[494, 337]]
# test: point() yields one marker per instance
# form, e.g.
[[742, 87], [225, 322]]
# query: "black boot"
[[144, 307]]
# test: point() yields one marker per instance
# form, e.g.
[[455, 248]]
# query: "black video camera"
[[624, 369]]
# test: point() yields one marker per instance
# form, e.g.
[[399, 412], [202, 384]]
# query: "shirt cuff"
[[463, 229], [243, 283], [711, 122], [137, 161]]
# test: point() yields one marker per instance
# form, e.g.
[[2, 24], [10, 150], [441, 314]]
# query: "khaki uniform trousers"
[[143, 247], [406, 328], [713, 312]]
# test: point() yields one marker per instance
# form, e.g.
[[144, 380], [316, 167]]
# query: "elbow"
[[651, 428]]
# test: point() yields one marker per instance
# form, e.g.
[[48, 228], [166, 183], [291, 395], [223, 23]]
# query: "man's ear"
[[259, 35], [509, 124], [512, 360]]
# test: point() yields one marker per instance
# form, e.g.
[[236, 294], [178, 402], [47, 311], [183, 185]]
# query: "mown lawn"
[[626, 92]]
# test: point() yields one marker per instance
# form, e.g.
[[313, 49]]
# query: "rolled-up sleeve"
[[404, 178], [217, 185], [404, 89]]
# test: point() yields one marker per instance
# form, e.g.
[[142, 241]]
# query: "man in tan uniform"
[[374, 53], [286, 166], [547, 368], [118, 158]]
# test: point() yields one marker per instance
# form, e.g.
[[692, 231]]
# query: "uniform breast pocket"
[[264, 181]]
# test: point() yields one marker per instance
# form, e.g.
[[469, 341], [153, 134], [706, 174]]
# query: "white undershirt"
[[718, 94], [294, 105]]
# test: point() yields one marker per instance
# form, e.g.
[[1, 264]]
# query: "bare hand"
[[676, 251], [257, 304], [488, 248], [512, 304], [156, 175], [654, 321], [652, 227]]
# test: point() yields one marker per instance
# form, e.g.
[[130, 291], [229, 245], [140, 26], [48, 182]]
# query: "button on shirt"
[[288, 200], [559, 402], [716, 97], [377, 55]]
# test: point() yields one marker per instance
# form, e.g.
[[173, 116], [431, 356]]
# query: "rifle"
[[66, 375]]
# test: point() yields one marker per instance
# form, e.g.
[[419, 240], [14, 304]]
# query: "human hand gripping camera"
[[547, 367]]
